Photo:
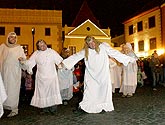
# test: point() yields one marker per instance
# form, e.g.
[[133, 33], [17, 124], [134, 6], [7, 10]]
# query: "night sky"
[[110, 13]]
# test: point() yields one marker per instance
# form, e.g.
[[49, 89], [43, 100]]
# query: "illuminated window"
[[2, 30], [151, 22], [140, 26], [153, 43], [141, 45], [72, 49]]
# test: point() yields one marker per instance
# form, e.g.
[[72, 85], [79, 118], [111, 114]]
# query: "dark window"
[[130, 29], [153, 43], [88, 28], [49, 46], [152, 22], [132, 44], [2, 30], [140, 26], [115, 45], [17, 31], [141, 45], [47, 31]]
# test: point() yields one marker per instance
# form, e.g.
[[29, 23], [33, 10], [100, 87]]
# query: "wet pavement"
[[146, 107]]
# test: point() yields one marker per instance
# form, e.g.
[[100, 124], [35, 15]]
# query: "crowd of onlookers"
[[153, 70]]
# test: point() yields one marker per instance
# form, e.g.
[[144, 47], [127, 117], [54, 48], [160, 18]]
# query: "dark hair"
[[37, 43]]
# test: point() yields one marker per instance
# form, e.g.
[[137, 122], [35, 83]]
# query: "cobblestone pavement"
[[146, 107]]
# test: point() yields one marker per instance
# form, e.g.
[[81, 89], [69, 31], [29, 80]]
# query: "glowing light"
[[160, 51], [82, 37]]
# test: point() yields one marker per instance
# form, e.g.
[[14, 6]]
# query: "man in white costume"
[[47, 92], [3, 96], [129, 78], [11, 71], [97, 80]]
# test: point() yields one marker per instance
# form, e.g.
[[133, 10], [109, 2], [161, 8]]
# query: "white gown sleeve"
[[57, 58], [122, 58], [73, 59], [30, 63]]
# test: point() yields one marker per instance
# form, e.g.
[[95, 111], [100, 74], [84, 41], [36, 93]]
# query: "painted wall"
[[39, 19], [147, 32]]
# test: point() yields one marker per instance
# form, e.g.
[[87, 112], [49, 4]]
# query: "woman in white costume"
[[11, 71], [47, 92], [129, 78], [3, 96], [97, 81]]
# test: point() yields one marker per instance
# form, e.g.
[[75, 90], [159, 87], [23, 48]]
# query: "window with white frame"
[[141, 45], [72, 49], [152, 43]]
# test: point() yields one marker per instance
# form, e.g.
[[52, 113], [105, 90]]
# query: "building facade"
[[31, 25], [146, 31], [74, 36]]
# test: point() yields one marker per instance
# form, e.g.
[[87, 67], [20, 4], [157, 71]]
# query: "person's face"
[[91, 44], [42, 46], [12, 39]]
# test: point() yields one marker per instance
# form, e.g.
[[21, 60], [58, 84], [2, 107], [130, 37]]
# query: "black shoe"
[[53, 110], [44, 111], [78, 110], [65, 102]]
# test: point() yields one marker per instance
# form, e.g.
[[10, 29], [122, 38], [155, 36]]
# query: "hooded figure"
[[11, 71], [129, 77]]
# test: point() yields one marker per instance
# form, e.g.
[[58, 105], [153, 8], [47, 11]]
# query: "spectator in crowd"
[[155, 69]]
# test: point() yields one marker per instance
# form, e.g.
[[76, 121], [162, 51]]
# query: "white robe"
[[11, 74], [112, 66], [66, 83], [3, 96], [97, 80], [47, 91], [129, 78]]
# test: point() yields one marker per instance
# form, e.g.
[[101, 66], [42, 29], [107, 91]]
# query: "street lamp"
[[33, 33]]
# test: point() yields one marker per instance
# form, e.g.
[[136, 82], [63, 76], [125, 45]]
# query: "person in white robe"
[[129, 78], [65, 79], [97, 80], [116, 71], [112, 65], [11, 71], [47, 92], [3, 96]]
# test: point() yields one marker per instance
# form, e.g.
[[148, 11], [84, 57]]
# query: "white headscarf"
[[7, 41], [129, 46]]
